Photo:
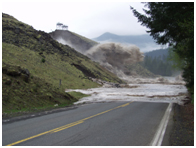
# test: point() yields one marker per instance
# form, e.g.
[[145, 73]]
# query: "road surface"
[[96, 124]]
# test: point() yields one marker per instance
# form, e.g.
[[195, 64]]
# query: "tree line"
[[158, 65]]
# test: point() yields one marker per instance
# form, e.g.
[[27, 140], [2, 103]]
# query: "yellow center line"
[[67, 125]]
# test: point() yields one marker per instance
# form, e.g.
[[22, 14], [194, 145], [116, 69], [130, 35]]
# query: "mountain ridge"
[[106, 35], [142, 41]]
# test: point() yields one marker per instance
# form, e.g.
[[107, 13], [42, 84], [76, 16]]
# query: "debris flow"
[[137, 92], [115, 56]]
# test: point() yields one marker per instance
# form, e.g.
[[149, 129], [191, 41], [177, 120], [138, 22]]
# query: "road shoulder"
[[181, 126]]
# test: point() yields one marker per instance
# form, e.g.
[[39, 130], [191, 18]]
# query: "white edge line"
[[158, 138]]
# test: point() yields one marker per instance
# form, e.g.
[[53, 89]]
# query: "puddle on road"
[[165, 92]]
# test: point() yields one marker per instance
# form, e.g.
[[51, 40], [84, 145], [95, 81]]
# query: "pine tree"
[[173, 23]]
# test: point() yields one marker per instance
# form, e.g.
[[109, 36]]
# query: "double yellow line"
[[67, 125]]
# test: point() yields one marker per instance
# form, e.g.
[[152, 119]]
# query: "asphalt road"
[[98, 124]]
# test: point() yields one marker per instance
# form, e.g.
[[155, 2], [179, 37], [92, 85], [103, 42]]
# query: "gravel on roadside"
[[182, 133]]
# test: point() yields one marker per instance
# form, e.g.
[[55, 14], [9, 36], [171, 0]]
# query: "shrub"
[[43, 60]]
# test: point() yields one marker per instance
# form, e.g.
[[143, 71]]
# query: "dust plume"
[[115, 56], [65, 42], [112, 56]]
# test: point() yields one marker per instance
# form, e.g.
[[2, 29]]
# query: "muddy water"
[[166, 92]]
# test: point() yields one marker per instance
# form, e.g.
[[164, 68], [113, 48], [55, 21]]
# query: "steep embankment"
[[34, 64], [74, 40]]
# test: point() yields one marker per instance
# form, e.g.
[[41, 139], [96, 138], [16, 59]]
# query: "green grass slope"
[[33, 65]]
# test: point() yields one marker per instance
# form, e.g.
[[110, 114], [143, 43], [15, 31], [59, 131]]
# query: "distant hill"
[[157, 53], [144, 42], [124, 39], [157, 62], [160, 53]]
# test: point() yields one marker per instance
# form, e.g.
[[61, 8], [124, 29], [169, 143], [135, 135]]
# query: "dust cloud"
[[65, 42], [115, 56]]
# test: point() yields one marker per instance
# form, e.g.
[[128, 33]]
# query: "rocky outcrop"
[[15, 71]]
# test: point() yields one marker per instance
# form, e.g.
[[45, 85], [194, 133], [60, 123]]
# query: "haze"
[[87, 18]]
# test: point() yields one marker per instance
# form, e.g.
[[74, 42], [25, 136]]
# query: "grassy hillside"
[[23, 93], [33, 65]]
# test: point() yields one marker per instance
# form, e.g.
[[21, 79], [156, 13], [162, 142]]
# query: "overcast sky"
[[87, 18]]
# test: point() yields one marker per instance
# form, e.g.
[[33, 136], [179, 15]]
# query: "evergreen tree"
[[173, 23], [157, 66]]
